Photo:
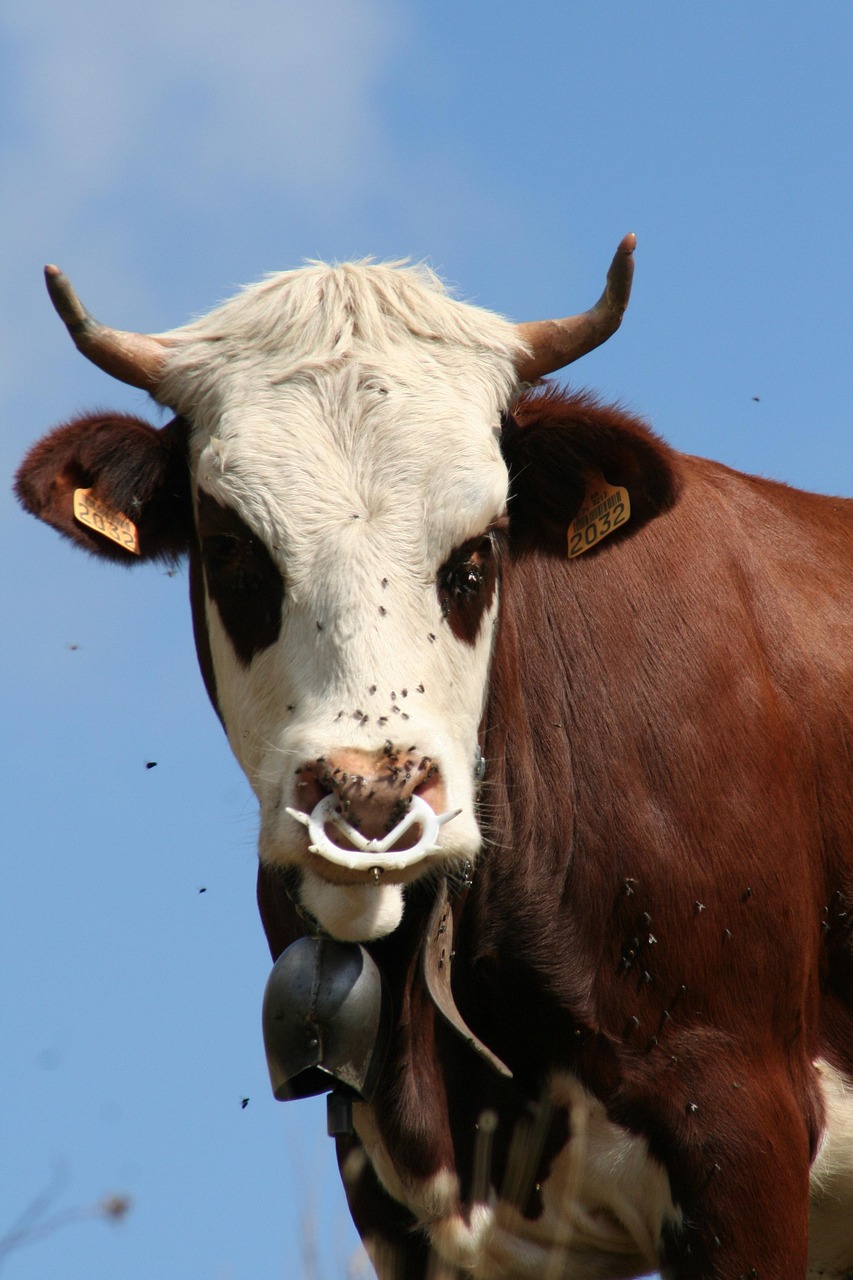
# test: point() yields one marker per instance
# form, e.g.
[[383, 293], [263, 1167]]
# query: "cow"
[[551, 729]]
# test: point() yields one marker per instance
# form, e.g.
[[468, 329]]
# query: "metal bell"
[[326, 1019]]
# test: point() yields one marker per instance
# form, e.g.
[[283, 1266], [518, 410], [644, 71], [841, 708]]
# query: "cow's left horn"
[[556, 343], [134, 358]]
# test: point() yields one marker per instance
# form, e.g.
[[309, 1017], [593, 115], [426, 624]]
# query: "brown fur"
[[669, 823]]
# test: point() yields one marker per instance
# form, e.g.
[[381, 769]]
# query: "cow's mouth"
[[338, 847]]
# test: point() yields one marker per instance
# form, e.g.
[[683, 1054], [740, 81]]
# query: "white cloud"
[[251, 89]]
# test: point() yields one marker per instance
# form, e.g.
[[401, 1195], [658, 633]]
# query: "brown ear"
[[132, 468], [557, 443]]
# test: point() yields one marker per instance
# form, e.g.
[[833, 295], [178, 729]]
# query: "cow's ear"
[[564, 450], [127, 474]]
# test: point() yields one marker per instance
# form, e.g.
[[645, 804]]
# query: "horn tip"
[[628, 243], [65, 301], [53, 278]]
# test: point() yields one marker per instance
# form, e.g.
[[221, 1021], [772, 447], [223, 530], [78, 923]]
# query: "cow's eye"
[[220, 548], [465, 584], [237, 561], [460, 578]]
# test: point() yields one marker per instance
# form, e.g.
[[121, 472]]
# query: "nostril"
[[431, 788], [312, 785]]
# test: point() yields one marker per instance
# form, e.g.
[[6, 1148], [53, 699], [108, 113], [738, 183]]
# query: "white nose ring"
[[372, 855]]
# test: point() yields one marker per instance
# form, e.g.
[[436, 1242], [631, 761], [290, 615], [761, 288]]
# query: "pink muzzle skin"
[[376, 856]]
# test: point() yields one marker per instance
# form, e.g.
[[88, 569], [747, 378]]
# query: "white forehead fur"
[[357, 378], [396, 320], [362, 384]]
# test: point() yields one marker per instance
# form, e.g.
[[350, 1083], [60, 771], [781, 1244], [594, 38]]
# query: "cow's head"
[[335, 474]]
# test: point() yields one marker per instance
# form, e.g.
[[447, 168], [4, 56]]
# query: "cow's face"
[[350, 571], [335, 474], [349, 511]]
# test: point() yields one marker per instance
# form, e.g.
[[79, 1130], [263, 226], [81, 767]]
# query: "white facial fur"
[[348, 415]]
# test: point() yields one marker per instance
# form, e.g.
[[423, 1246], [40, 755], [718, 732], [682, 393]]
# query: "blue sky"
[[165, 153]]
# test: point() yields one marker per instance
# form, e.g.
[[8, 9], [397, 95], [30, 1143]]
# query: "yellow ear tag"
[[604, 509], [103, 519]]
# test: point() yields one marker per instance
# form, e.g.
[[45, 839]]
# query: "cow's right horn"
[[134, 358], [556, 343]]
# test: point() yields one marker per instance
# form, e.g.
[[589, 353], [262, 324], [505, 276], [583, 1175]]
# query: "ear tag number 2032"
[[605, 508], [114, 525]]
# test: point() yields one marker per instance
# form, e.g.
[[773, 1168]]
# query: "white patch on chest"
[[605, 1202], [831, 1180]]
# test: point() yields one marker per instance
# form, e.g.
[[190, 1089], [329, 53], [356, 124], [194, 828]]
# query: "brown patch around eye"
[[242, 580], [466, 586]]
